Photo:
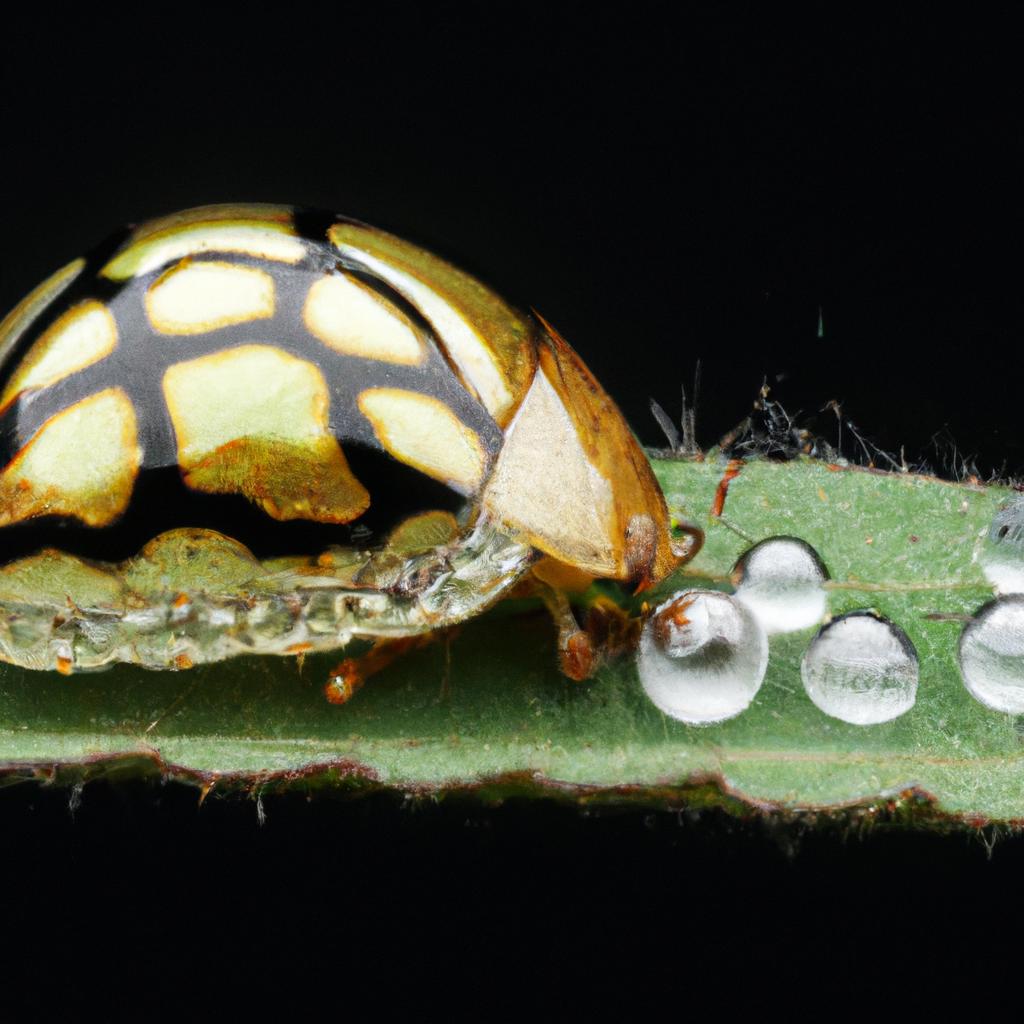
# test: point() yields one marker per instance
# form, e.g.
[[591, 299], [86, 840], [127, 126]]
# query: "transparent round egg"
[[782, 581], [992, 655], [702, 657], [862, 669], [1001, 553]]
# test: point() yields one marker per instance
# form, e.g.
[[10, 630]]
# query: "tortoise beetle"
[[252, 429]]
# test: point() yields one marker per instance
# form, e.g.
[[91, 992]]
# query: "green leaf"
[[489, 707]]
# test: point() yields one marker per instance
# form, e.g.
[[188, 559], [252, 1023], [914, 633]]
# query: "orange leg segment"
[[348, 676], [607, 630]]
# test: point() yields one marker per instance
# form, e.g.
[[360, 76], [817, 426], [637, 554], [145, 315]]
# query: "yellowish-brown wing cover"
[[572, 477]]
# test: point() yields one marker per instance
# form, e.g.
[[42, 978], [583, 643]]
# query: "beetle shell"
[[293, 378]]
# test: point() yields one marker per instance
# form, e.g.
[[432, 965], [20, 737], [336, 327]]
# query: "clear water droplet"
[[782, 581], [992, 655], [862, 669], [702, 657], [1001, 555]]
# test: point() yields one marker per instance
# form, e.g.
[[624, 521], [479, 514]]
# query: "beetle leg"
[[607, 630], [348, 676], [611, 629], [576, 653]]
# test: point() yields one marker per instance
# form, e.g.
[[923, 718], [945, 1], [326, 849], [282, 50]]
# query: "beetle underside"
[[195, 596]]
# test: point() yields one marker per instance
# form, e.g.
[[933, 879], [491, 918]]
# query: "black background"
[[666, 186]]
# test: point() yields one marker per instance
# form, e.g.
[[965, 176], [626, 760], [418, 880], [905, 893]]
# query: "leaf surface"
[[491, 704]]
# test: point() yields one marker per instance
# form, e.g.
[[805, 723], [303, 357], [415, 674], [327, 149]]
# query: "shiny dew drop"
[[782, 581], [862, 669], [1001, 554], [702, 657], [992, 655]]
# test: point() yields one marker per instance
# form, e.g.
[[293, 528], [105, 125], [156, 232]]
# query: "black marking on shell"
[[143, 355], [87, 285], [161, 500]]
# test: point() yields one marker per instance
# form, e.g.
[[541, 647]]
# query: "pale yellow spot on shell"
[[467, 347], [81, 462], [84, 335], [253, 420], [350, 318], [18, 320], [267, 240], [423, 432], [252, 390], [196, 297]]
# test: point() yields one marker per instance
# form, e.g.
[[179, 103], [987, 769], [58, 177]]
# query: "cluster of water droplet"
[[704, 654], [992, 643]]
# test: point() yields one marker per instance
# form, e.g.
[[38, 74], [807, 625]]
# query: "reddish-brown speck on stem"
[[732, 470]]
